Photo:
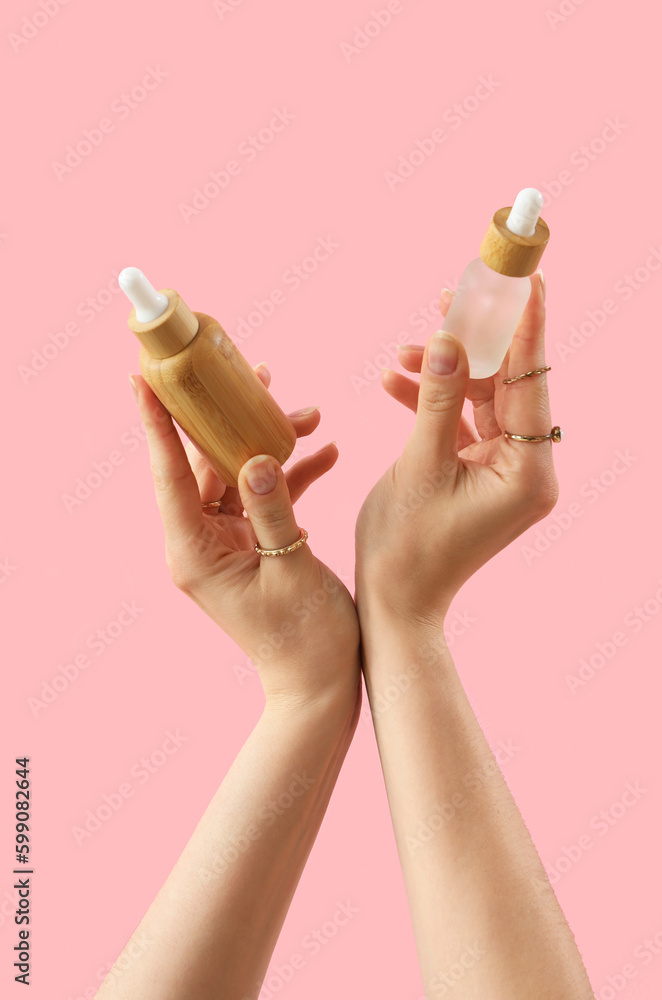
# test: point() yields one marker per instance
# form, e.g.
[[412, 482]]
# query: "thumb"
[[444, 381], [266, 499]]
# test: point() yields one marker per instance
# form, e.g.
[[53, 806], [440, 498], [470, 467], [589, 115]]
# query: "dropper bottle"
[[494, 288], [203, 381]]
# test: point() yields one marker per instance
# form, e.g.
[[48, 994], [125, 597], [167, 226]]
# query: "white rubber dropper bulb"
[[149, 303], [525, 211]]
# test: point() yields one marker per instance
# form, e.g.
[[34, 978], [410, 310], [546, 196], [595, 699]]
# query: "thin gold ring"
[[287, 548], [536, 371], [555, 435], [212, 503]]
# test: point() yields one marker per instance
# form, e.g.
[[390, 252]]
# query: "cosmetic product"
[[204, 382], [494, 288]]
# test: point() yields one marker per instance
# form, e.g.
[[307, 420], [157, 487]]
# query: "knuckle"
[[181, 569], [542, 491], [179, 574], [161, 481], [436, 402], [548, 493], [275, 517]]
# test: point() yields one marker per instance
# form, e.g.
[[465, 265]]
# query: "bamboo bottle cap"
[[508, 253], [170, 332]]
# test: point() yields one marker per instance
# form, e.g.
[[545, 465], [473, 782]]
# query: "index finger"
[[175, 485]]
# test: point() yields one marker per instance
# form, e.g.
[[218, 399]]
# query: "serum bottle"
[[203, 381], [494, 288]]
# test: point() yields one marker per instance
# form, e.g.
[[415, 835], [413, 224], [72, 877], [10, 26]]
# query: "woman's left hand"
[[454, 498]]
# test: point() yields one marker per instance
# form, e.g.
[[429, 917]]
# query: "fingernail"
[[442, 353], [449, 290], [261, 474], [304, 413], [542, 284], [134, 387], [411, 347]]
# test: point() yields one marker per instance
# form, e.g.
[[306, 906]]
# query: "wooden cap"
[[170, 332], [508, 253]]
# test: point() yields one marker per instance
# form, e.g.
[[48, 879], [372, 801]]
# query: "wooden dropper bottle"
[[203, 381]]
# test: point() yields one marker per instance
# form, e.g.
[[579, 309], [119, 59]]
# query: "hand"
[[290, 614], [455, 498]]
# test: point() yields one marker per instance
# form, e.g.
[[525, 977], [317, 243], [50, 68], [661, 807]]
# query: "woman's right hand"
[[290, 614]]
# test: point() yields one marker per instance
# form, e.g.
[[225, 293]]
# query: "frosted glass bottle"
[[494, 288]]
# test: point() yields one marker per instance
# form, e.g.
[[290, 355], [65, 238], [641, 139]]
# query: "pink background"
[[558, 79]]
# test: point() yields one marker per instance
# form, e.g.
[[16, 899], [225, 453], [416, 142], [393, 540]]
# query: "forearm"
[[486, 920], [212, 928]]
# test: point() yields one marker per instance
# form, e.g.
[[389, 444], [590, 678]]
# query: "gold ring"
[[555, 435], [212, 503], [287, 548], [536, 371]]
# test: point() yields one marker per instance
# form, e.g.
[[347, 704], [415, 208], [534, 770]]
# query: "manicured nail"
[[261, 474], [134, 387], [304, 413], [449, 290], [411, 347], [542, 284], [442, 353]]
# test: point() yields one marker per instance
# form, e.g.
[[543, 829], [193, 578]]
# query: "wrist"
[[399, 640], [381, 605], [332, 709]]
